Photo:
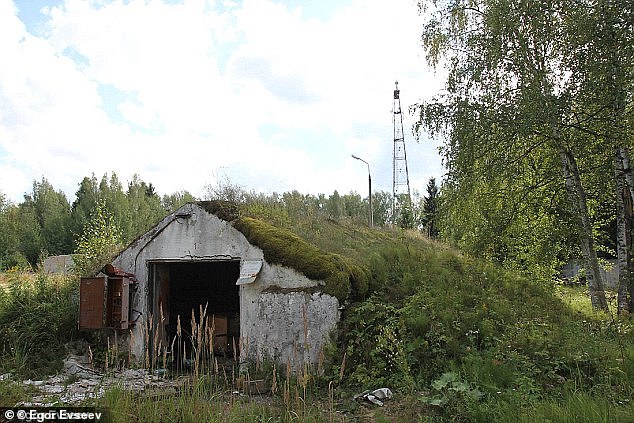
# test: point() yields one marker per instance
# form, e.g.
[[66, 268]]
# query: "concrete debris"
[[79, 382], [79, 366], [375, 397]]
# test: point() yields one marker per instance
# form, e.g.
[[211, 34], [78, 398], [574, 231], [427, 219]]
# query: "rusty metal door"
[[92, 299], [104, 302], [117, 308]]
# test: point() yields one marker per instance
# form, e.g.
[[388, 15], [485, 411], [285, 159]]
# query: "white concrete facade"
[[283, 314]]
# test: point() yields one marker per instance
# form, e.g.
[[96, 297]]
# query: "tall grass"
[[38, 316], [214, 386], [573, 407]]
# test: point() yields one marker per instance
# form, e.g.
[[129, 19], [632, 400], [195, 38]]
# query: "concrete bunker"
[[197, 259]]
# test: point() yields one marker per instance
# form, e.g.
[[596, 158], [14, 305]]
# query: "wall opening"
[[180, 287]]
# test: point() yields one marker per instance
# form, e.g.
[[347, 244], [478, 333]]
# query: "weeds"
[[38, 315]]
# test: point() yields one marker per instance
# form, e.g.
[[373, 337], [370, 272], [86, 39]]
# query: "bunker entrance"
[[182, 287]]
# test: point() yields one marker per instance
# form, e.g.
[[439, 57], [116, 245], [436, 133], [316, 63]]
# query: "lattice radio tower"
[[400, 185]]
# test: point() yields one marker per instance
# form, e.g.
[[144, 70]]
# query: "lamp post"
[[370, 214]]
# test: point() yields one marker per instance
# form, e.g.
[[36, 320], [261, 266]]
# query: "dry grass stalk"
[[209, 340], [274, 381], [320, 362], [155, 348], [343, 367], [178, 334], [305, 321], [172, 348], [147, 338], [331, 402], [115, 353], [130, 348]]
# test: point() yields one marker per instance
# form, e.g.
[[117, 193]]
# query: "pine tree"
[[430, 210]]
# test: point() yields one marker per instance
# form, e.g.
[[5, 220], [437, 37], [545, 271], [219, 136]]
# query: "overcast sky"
[[273, 95]]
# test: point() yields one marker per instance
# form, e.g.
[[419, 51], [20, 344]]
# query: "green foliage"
[[39, 224], [341, 275], [374, 344], [53, 215], [11, 393], [506, 344], [572, 407], [174, 201], [45, 223], [38, 315], [430, 213], [522, 94], [144, 208], [405, 218], [225, 210], [99, 241], [28, 231], [440, 311], [451, 395]]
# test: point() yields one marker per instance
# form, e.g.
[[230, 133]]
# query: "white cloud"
[[198, 82]]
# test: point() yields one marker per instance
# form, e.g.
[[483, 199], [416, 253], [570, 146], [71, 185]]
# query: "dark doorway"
[[183, 287]]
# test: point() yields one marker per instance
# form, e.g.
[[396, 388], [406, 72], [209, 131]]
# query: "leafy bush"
[[375, 346], [451, 396], [14, 259]]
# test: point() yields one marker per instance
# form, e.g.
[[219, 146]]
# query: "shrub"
[[98, 243]]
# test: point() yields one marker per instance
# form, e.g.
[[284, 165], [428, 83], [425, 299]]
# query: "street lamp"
[[370, 214]]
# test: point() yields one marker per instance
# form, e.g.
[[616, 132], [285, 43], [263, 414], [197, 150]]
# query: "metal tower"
[[400, 186]]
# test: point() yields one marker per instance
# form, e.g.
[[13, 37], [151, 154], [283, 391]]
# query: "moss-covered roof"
[[344, 277], [225, 210]]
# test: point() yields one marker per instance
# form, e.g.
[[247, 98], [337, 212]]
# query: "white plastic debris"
[[377, 396]]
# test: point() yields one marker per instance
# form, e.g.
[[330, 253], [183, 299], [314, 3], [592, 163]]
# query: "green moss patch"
[[342, 276], [225, 210]]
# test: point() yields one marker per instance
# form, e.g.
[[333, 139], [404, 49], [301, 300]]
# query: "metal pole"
[[370, 197], [370, 211]]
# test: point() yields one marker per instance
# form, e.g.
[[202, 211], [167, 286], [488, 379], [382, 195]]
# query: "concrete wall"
[[609, 272], [58, 264], [282, 314]]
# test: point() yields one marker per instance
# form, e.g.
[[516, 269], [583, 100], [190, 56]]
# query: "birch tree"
[[522, 82]]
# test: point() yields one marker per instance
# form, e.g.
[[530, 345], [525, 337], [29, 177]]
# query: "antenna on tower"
[[400, 175]]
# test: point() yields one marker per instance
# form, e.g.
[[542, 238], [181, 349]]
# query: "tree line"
[[419, 212], [47, 223]]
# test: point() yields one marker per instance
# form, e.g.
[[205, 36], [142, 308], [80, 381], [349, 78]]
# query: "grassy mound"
[[507, 342]]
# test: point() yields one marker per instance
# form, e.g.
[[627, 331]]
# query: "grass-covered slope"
[[506, 340]]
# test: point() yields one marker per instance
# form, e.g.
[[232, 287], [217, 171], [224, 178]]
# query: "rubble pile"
[[78, 382]]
